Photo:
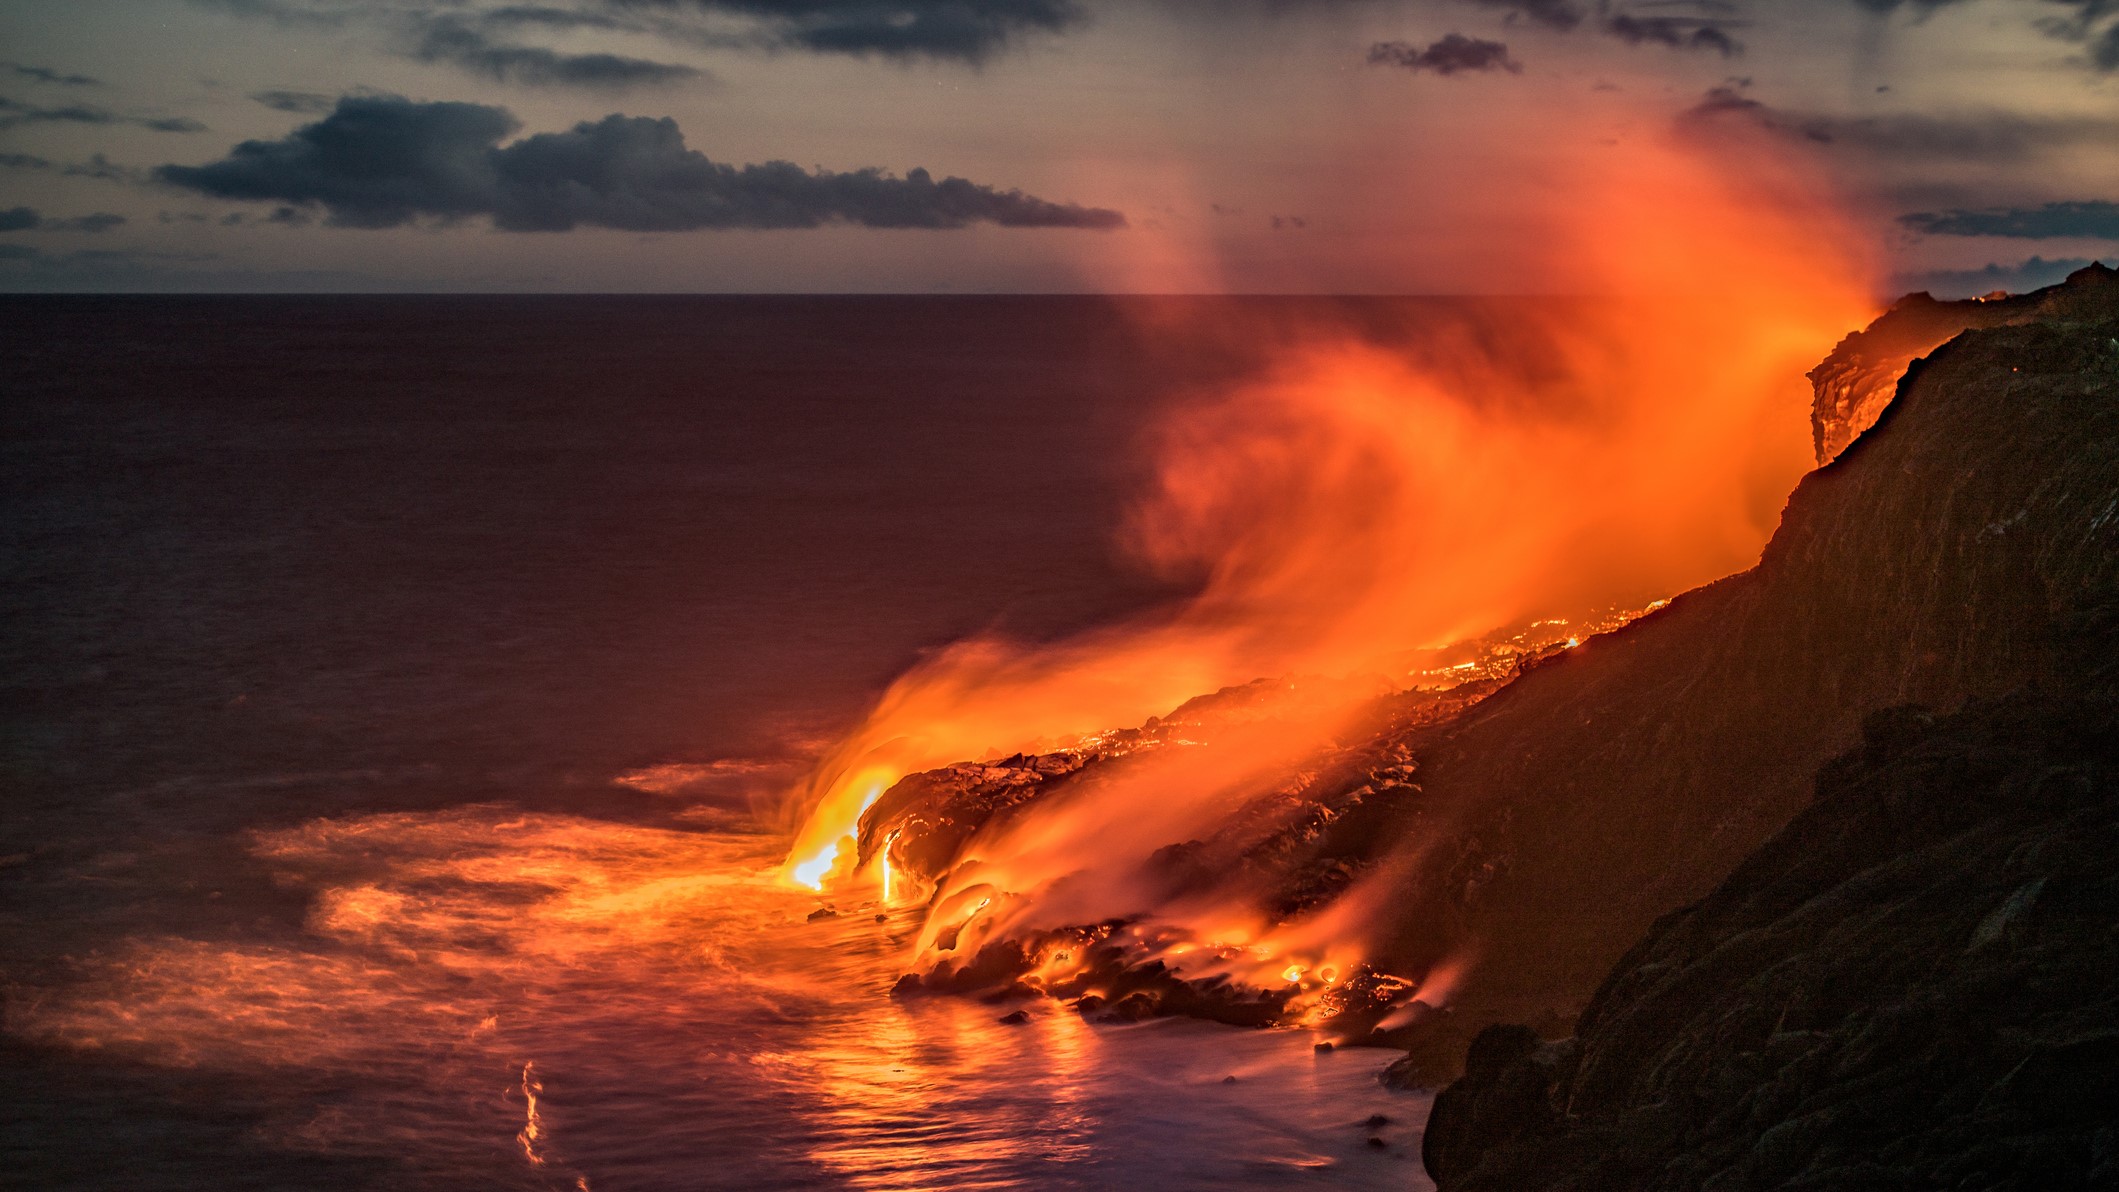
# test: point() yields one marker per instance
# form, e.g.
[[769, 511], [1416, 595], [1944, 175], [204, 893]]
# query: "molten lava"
[[1549, 465]]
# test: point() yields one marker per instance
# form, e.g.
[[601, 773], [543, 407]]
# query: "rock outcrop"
[[1856, 382], [1914, 985], [1955, 552]]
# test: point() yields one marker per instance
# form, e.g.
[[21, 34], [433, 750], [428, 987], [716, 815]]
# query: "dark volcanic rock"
[[1856, 382], [1914, 985]]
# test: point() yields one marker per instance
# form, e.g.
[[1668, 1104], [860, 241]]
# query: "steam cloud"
[[383, 161]]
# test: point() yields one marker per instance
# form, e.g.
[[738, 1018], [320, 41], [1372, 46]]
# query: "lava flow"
[[1523, 475]]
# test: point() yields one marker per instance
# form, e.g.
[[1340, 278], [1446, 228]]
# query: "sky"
[[976, 146]]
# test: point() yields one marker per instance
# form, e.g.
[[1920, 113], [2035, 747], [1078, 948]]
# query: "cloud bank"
[[45, 74], [25, 219], [14, 113], [2093, 220], [384, 161], [453, 40], [963, 30]]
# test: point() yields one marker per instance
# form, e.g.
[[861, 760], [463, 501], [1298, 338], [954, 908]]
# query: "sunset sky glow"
[[1328, 146]]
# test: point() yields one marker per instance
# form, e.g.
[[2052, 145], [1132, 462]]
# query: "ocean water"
[[396, 692]]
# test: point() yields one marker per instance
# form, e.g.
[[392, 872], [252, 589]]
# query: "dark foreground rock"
[[1915, 985]]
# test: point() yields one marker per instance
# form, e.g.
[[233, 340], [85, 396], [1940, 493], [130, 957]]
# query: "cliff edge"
[[1911, 984]]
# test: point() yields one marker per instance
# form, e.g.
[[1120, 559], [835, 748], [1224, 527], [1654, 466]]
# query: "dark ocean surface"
[[389, 684]]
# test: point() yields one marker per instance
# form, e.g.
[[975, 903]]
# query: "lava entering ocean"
[[1357, 511]]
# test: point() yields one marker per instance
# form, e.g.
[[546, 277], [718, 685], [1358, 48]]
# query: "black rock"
[[1914, 985]]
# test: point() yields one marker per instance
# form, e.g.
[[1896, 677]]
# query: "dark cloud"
[[101, 221], [2079, 24], [1678, 33], [551, 17], [308, 103], [103, 169], [2104, 52], [288, 12], [14, 113], [1990, 138], [1553, 14], [2085, 10], [450, 39], [965, 30], [97, 166], [2093, 220], [24, 219], [384, 161], [18, 252], [1454, 54], [44, 74], [2033, 274]]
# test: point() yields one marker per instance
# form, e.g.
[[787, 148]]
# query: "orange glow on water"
[[1352, 503], [502, 999]]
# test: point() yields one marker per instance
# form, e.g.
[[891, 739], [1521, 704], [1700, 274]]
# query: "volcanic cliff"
[[1912, 984]]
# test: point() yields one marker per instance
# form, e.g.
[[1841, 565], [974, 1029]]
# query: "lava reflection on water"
[[484, 998]]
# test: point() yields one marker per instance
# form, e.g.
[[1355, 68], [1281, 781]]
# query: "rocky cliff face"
[[1856, 382], [1954, 552], [1951, 554], [1914, 985]]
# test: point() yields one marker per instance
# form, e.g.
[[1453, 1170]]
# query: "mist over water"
[[389, 688]]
